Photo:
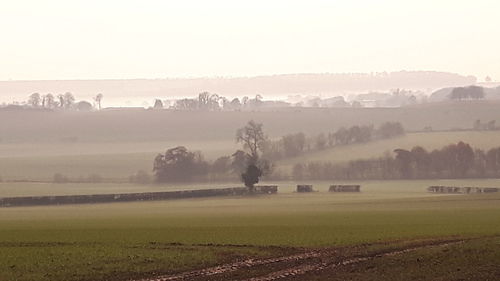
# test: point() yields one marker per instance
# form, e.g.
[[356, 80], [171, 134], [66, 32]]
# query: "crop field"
[[126, 241]]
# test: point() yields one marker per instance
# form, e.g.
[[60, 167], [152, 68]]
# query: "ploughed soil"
[[451, 258]]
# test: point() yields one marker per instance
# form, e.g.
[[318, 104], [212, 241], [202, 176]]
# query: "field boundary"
[[129, 197]]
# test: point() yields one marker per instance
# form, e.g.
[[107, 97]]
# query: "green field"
[[125, 240]]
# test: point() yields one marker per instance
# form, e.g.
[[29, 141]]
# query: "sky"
[[52, 40]]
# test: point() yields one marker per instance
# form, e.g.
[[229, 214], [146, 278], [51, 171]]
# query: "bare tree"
[[98, 100], [252, 136]]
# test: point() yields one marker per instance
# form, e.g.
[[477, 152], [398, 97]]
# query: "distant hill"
[[138, 125], [118, 92]]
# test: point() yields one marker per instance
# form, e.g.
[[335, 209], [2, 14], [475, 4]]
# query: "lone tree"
[[98, 100], [251, 176], [253, 138]]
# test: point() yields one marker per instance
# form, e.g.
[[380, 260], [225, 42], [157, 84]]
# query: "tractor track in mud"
[[294, 265]]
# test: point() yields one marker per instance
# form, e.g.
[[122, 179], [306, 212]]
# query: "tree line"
[[458, 160], [292, 145], [66, 101], [255, 159], [467, 93], [206, 101]]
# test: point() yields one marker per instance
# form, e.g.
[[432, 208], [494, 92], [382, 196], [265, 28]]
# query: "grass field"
[[113, 161], [125, 240]]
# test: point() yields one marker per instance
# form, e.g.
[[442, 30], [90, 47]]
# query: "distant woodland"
[[326, 84]]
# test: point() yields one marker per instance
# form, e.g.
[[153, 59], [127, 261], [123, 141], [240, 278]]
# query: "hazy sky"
[[156, 39]]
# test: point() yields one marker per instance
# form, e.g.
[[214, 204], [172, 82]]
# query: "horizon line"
[[239, 77]]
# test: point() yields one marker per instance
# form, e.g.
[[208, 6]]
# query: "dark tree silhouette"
[[251, 176], [471, 92], [178, 164], [253, 139], [252, 136]]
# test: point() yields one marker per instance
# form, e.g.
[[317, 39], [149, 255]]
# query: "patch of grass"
[[110, 260]]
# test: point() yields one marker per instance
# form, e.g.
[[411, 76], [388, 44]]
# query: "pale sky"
[[156, 39]]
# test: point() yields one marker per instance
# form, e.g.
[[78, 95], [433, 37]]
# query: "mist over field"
[[142, 92], [222, 140]]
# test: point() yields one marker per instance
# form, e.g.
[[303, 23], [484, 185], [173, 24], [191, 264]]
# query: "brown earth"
[[297, 266]]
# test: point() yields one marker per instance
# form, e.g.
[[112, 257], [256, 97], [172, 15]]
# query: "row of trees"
[[467, 93], [295, 144], [66, 101], [212, 102], [360, 134], [452, 161]]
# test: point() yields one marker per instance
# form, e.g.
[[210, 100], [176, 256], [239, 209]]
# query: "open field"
[[132, 240], [113, 161]]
